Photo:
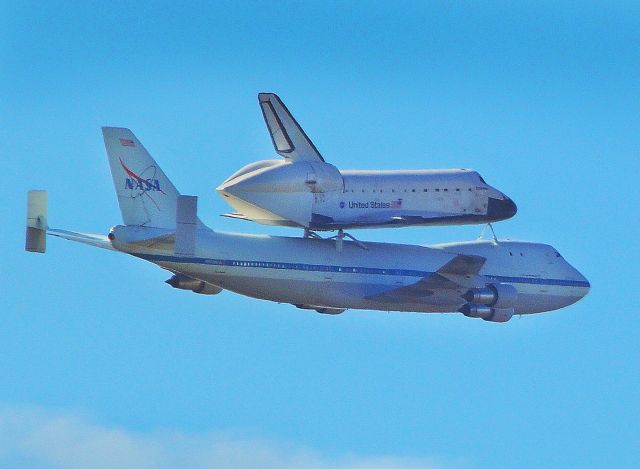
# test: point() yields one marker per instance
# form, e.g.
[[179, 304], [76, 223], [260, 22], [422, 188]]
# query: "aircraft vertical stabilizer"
[[36, 221], [145, 194], [186, 225]]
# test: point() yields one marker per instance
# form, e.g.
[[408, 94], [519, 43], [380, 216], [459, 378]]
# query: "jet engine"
[[330, 310], [492, 303], [183, 282], [322, 309], [500, 315], [487, 313], [496, 295]]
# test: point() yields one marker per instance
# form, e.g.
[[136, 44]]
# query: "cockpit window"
[[482, 179]]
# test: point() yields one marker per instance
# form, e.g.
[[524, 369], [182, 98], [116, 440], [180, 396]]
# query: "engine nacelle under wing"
[[500, 315], [322, 309], [487, 313], [183, 282], [495, 295]]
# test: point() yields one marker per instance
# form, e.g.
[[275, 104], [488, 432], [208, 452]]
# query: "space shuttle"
[[303, 190]]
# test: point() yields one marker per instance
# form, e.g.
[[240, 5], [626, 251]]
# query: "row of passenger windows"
[[321, 268], [457, 189]]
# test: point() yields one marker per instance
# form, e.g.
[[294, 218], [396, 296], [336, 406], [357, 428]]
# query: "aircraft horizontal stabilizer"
[[37, 227], [96, 240]]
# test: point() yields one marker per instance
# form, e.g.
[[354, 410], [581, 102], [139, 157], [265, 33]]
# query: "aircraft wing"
[[287, 136], [453, 275], [319, 221]]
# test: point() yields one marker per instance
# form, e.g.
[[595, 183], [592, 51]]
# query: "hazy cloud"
[[38, 438]]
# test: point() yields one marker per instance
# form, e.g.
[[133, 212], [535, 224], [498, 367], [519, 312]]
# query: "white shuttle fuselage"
[[318, 196], [303, 190]]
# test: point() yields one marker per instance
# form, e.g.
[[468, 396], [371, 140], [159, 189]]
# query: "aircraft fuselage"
[[314, 273]]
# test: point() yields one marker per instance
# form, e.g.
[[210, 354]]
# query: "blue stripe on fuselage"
[[344, 269]]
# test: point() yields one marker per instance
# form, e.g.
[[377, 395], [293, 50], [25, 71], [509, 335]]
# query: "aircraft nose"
[[585, 284], [501, 209]]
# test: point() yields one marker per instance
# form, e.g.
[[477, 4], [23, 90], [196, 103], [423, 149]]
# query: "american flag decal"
[[396, 203], [126, 142]]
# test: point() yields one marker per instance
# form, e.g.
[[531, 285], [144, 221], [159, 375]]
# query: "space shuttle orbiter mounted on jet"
[[492, 280], [303, 190]]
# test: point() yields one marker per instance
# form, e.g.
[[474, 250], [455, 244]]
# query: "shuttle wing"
[[451, 276], [287, 136], [324, 222]]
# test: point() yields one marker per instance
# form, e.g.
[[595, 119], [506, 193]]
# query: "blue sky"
[[104, 365]]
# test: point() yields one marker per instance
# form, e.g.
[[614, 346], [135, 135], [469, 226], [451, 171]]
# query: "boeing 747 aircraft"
[[492, 280], [303, 190]]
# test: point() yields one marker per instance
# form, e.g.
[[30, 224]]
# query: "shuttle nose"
[[501, 209]]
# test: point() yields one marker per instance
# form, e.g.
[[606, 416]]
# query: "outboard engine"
[[492, 303], [500, 315], [183, 282], [497, 295], [487, 313]]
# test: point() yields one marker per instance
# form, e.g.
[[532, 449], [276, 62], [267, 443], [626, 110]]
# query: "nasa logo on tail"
[[140, 184]]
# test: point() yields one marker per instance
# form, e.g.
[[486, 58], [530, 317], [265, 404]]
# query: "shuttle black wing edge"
[[289, 140]]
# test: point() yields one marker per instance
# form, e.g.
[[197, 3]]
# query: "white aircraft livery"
[[303, 190], [492, 280]]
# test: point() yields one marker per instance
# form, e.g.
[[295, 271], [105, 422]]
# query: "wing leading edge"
[[451, 276], [289, 140]]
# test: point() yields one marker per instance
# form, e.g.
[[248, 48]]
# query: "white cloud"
[[39, 438]]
